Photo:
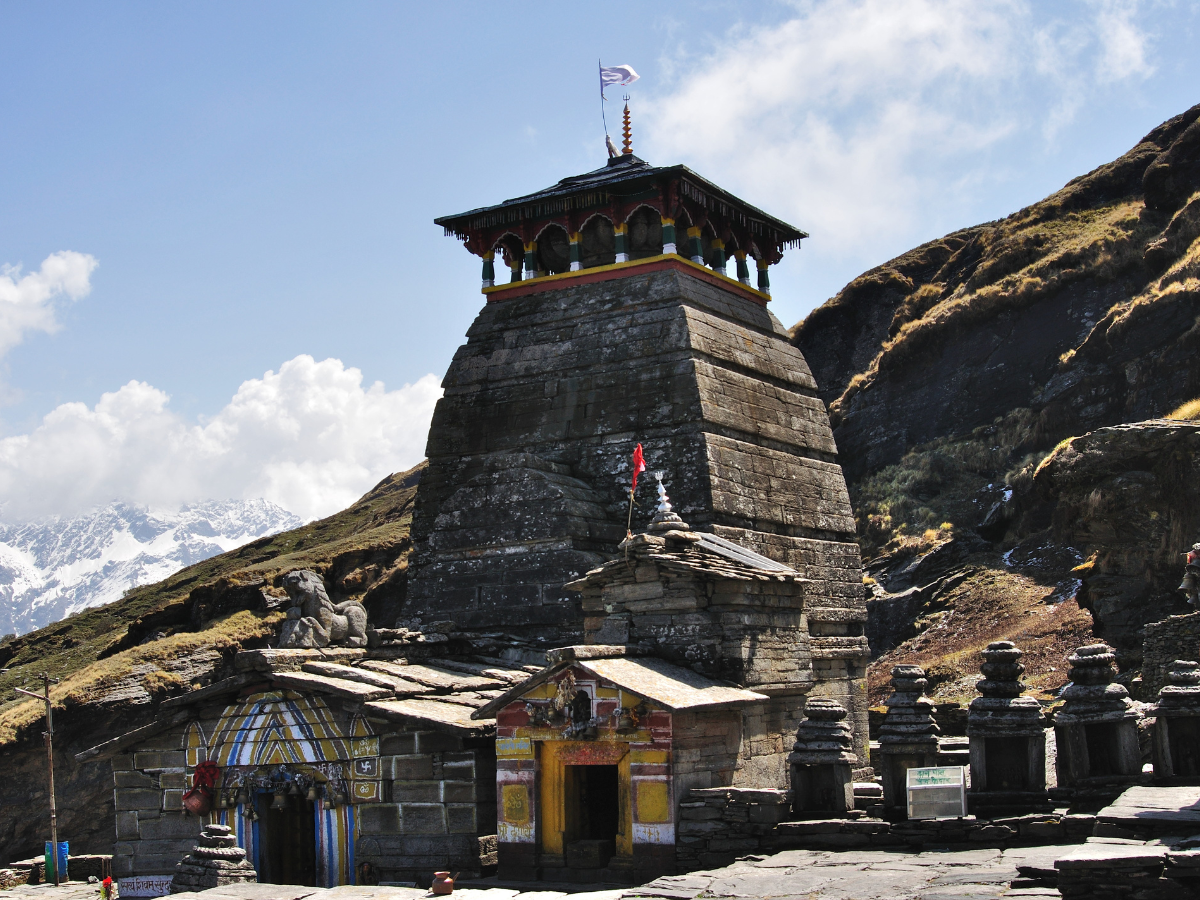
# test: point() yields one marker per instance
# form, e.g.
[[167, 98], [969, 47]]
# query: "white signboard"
[[144, 886], [937, 793]]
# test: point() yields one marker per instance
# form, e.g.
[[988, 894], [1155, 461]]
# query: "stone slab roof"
[[695, 553], [665, 683], [437, 693]]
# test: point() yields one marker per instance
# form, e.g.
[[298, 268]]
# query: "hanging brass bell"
[[280, 801], [312, 794]]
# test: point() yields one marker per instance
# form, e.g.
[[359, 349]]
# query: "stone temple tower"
[[619, 325]]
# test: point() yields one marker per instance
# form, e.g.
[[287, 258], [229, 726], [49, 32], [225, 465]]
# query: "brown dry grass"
[[995, 604], [153, 660], [1026, 258]]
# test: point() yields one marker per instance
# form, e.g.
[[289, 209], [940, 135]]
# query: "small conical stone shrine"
[[1096, 729], [217, 860], [1177, 725], [1008, 743], [908, 736], [822, 759]]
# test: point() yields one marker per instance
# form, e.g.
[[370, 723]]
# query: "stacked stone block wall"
[[1176, 637], [575, 376], [152, 829], [440, 809], [717, 825]]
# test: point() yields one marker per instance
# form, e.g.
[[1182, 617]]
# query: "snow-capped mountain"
[[55, 567]]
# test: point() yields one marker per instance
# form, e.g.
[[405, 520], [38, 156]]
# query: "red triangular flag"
[[639, 465]]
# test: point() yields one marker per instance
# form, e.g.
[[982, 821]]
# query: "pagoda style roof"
[[616, 191]]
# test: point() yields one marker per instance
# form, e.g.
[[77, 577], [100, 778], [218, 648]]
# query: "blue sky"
[[255, 184]]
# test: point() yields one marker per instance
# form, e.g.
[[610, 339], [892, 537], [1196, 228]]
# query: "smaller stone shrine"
[[908, 736], [215, 861], [1177, 728], [1007, 738], [1097, 728], [822, 760]]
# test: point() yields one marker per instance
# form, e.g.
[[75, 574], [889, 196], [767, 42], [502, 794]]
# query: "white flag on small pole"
[[616, 75]]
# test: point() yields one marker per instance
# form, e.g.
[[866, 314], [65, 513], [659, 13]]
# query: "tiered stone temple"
[[1096, 730], [823, 760], [1177, 724], [908, 736], [621, 327], [216, 861], [1008, 740]]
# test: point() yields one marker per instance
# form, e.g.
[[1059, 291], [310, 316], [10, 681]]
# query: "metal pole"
[[48, 736]]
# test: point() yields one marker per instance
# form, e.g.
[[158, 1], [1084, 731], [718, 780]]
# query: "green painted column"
[[489, 269], [576, 264], [620, 243], [743, 269], [531, 269], [764, 280], [695, 246], [668, 232], [718, 255]]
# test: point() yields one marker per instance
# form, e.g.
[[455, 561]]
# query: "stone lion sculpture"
[[313, 620]]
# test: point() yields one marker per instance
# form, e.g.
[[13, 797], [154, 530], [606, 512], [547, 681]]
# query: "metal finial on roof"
[[665, 518], [626, 130]]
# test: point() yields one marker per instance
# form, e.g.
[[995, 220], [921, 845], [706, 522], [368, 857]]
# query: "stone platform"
[[1146, 812]]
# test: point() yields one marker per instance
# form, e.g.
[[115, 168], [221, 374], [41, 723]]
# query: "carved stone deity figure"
[[314, 620]]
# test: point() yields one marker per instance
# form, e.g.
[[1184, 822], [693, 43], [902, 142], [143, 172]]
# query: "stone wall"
[[717, 825], [1176, 637], [529, 449], [441, 809], [153, 830]]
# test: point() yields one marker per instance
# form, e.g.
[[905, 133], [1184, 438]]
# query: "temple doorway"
[[286, 841], [593, 814]]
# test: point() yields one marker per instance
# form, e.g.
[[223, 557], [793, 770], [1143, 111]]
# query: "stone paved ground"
[[798, 874]]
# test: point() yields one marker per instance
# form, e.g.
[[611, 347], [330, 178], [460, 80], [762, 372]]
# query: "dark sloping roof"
[[702, 554], [665, 683], [625, 175]]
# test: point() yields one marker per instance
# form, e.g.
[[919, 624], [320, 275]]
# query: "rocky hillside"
[[116, 663], [953, 372]]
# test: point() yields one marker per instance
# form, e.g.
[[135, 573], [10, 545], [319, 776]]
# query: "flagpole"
[[604, 119], [629, 521]]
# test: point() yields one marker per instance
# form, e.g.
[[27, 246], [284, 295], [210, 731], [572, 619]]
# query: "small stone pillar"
[[217, 860], [1097, 727], [1177, 724], [908, 736], [822, 760], [1008, 742]]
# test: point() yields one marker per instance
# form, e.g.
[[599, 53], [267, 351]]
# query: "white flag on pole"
[[616, 75]]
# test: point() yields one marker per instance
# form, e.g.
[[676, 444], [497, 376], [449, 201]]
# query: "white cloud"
[[1122, 43], [309, 437], [862, 120], [28, 302]]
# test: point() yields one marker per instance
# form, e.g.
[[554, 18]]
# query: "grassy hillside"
[[219, 603]]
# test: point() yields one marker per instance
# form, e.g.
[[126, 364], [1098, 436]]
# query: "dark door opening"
[[287, 842], [592, 815], [1007, 761], [1103, 749], [1184, 736]]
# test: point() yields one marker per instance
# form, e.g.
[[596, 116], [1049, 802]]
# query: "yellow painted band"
[[620, 229], [693, 232], [667, 221]]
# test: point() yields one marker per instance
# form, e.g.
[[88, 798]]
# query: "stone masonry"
[[528, 478]]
